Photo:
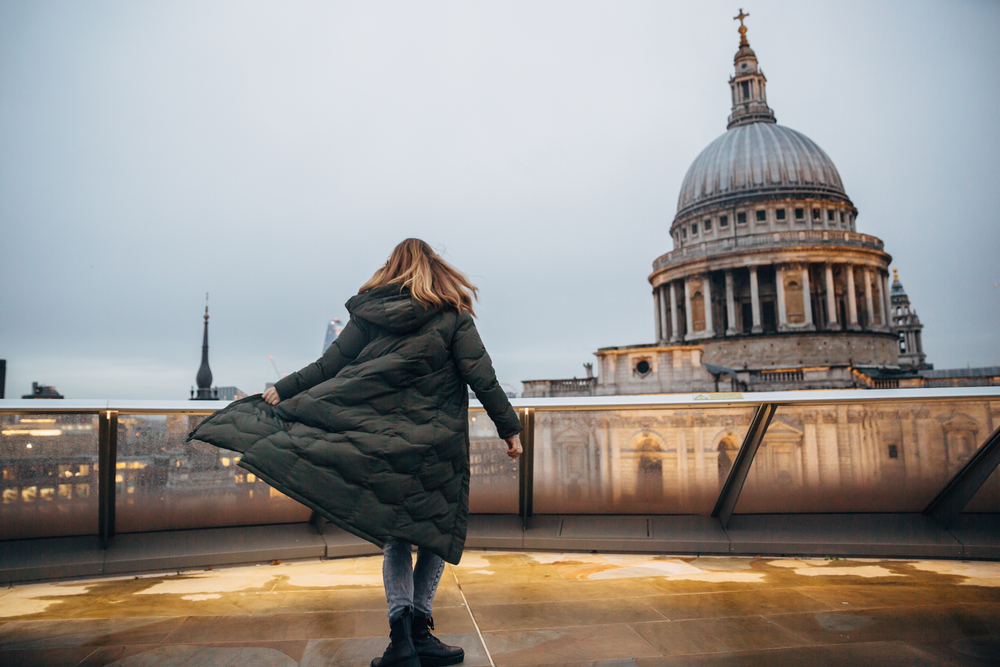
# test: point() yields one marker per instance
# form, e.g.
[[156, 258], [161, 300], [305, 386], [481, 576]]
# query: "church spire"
[[204, 377], [907, 326], [748, 85]]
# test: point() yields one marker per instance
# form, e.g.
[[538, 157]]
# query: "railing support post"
[[730, 492], [526, 465], [107, 458], [948, 504]]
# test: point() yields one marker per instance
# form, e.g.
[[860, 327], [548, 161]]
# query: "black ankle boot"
[[400, 652], [432, 651]]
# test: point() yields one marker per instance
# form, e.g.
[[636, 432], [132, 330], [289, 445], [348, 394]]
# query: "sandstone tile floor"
[[608, 610]]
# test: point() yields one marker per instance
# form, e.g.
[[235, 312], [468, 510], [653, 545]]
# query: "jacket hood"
[[390, 307]]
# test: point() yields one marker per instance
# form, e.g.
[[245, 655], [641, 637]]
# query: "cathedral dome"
[[759, 159]]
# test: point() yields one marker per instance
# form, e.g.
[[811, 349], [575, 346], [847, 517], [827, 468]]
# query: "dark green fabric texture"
[[375, 434]]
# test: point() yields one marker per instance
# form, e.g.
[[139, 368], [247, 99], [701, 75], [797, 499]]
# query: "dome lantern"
[[748, 85]]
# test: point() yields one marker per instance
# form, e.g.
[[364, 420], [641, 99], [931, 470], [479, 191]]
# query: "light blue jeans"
[[406, 586]]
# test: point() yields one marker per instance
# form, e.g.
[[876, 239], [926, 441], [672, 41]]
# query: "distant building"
[[229, 393], [204, 377], [42, 391], [332, 331], [907, 325]]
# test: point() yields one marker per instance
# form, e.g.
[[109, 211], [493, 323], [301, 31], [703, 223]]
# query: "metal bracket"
[[730, 492], [948, 504], [526, 464], [107, 459]]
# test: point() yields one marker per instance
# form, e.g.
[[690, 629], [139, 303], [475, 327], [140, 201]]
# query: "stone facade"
[[895, 456]]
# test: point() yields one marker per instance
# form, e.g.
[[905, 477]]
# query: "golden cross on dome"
[[743, 29]]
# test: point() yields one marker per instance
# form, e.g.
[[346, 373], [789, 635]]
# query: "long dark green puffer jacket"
[[375, 434]]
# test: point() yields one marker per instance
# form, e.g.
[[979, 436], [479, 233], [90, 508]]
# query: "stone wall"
[[797, 350]]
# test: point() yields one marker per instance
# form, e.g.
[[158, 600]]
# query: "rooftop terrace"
[[829, 527], [535, 608]]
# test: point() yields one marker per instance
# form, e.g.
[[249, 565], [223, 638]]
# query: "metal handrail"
[[549, 403]]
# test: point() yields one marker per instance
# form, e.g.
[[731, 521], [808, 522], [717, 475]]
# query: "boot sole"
[[441, 662], [412, 662]]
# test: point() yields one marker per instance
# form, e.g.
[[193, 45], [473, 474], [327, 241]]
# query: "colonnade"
[[683, 307]]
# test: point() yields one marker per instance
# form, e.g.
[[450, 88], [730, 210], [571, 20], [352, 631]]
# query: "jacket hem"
[[340, 523]]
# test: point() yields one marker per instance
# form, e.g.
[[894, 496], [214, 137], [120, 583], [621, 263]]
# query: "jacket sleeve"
[[341, 352], [476, 369]]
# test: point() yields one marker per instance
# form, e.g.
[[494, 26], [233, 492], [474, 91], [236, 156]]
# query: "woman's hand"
[[271, 396], [513, 446]]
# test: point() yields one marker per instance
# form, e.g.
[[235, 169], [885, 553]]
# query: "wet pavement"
[[610, 610]]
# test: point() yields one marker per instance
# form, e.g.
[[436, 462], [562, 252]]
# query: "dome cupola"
[[748, 85]]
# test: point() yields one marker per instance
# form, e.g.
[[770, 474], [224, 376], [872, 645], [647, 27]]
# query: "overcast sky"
[[273, 153]]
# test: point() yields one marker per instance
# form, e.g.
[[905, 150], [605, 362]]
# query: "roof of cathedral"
[[759, 158]]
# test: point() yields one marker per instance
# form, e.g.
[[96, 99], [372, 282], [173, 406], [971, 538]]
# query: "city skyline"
[[151, 154]]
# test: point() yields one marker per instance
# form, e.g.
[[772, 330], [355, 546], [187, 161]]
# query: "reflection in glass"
[[635, 461], [493, 487], [987, 498], [165, 483], [49, 464], [866, 457]]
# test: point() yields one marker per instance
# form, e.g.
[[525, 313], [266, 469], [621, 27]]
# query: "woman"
[[374, 434]]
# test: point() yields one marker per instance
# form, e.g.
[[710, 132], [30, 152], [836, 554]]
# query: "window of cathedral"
[[694, 229], [708, 225], [723, 221], [761, 216], [829, 215], [779, 214], [741, 218], [816, 214], [746, 90], [800, 214], [893, 451], [642, 367], [684, 232]]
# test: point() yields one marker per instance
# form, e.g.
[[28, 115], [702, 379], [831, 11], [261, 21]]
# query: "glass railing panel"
[[493, 487], [635, 460], [165, 483], [863, 457], [987, 498], [49, 464]]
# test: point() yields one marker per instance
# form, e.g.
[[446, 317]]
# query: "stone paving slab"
[[532, 608]]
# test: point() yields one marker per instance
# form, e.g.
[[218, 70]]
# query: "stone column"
[[664, 319], [755, 300], [675, 333], [706, 284], [656, 313], [779, 282], [687, 309], [730, 305], [807, 297], [831, 300], [886, 304], [869, 303], [852, 302]]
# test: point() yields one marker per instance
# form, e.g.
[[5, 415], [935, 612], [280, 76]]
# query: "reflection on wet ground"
[[530, 609]]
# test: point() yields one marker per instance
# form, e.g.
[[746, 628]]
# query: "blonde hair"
[[433, 282]]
